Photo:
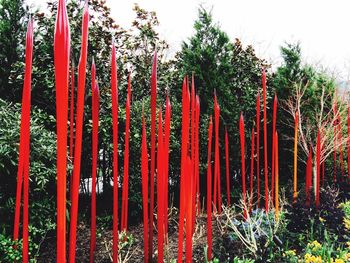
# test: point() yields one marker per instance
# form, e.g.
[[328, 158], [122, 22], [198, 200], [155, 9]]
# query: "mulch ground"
[[134, 253]]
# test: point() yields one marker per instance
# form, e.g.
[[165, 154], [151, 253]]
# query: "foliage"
[[308, 90], [238, 66], [42, 179], [318, 252], [257, 237], [309, 222], [11, 251], [8, 253], [12, 34], [238, 260], [42, 155], [346, 208], [220, 65], [135, 48], [226, 67]]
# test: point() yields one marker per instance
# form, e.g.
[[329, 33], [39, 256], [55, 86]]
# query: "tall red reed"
[[160, 189], [184, 163], [323, 160], [79, 134], [242, 141], [265, 144], [318, 160], [24, 146], [114, 91], [71, 124], [61, 60], [340, 139], [197, 154], [193, 152], [273, 149], [335, 140], [71, 113], [258, 170], [228, 192], [95, 123], [217, 173], [308, 185], [166, 161], [251, 177], [277, 209], [274, 114], [144, 175], [193, 131], [125, 194], [153, 147], [209, 188], [296, 124], [189, 209]]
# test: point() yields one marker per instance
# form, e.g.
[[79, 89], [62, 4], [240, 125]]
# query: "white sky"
[[322, 26]]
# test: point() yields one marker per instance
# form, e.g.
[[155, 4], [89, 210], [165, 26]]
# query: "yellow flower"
[[314, 245], [290, 253], [348, 243], [312, 259], [347, 256], [339, 260], [322, 219], [307, 257], [346, 223]]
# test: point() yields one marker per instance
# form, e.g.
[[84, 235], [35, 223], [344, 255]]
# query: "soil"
[[135, 251]]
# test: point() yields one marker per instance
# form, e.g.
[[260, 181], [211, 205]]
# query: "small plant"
[[257, 234], [309, 222], [214, 260], [8, 253], [325, 252], [290, 256], [11, 251], [238, 260], [126, 247], [346, 208]]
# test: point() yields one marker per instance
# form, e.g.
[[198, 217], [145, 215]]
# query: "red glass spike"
[[318, 161], [125, 193], [274, 115], [144, 175], [209, 190], [160, 189], [242, 141], [228, 192], [166, 161], [95, 123], [265, 144], [258, 170], [251, 177], [61, 61], [184, 151], [114, 91], [79, 135], [308, 185], [153, 146], [197, 154], [24, 147]]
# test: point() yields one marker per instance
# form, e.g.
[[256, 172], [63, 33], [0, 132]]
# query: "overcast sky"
[[322, 26]]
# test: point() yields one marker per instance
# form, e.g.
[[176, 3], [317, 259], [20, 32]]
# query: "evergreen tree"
[[220, 65]]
